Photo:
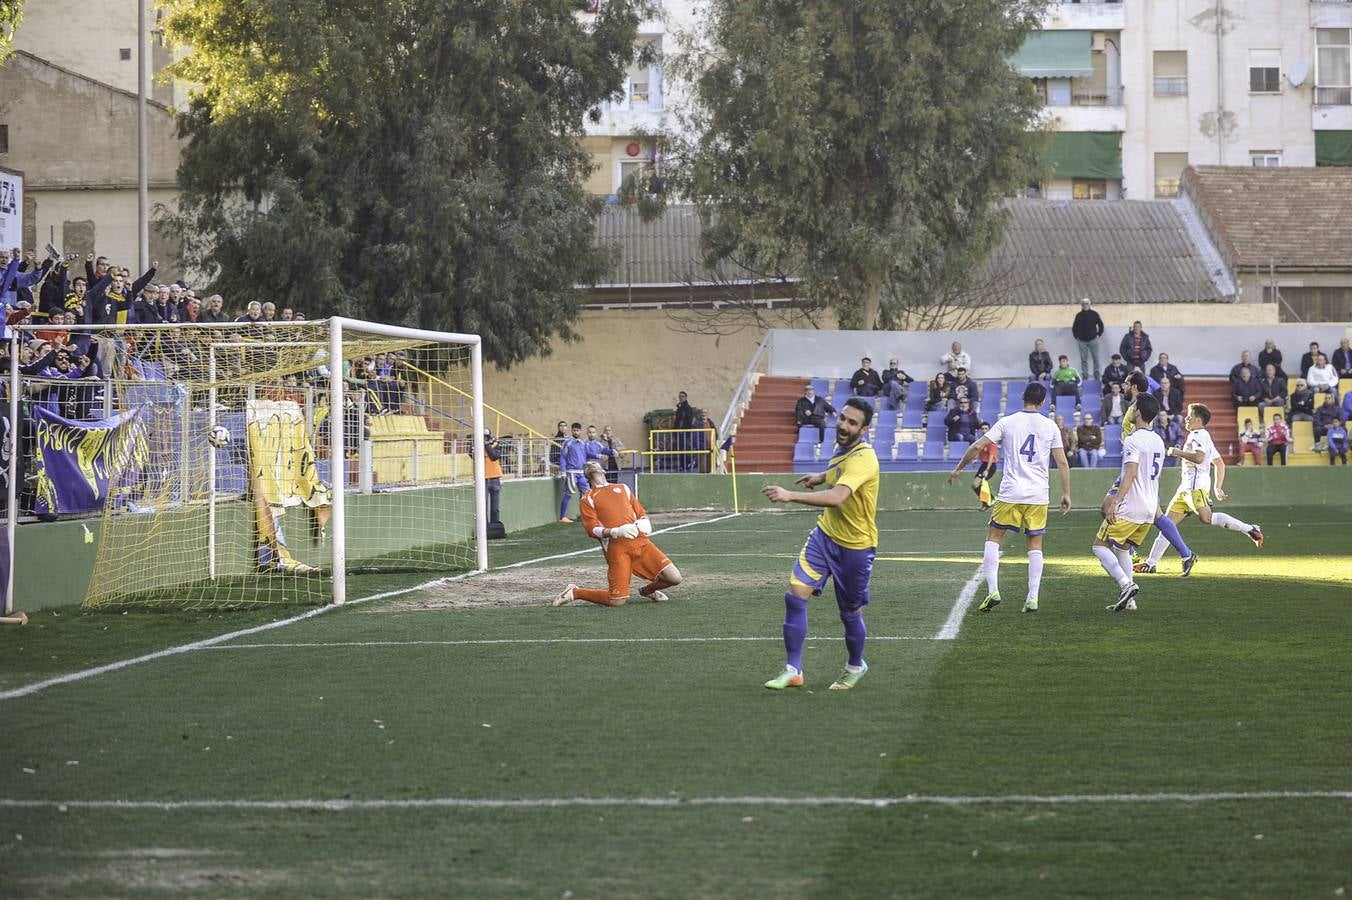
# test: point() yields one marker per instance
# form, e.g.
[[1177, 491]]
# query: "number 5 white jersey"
[[1139, 500], [1026, 440]]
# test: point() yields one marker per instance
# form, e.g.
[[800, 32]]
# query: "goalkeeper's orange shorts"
[[627, 558]]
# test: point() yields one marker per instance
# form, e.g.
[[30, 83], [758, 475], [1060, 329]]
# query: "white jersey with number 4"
[[1026, 440], [1139, 500], [1197, 476]]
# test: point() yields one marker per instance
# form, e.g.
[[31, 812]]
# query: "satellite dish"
[[1299, 71]]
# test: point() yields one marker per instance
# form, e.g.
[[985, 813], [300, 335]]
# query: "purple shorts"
[[823, 558]]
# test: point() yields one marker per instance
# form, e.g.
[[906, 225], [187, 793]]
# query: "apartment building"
[[1136, 91]]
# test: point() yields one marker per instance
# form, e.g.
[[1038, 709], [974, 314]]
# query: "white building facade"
[[1136, 91]]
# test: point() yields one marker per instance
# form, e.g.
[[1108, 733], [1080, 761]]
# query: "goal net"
[[250, 463]]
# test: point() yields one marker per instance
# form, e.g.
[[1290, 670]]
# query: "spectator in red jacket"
[[1278, 437]]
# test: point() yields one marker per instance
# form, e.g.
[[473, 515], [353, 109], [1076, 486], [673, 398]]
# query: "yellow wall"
[[605, 153], [1121, 315]]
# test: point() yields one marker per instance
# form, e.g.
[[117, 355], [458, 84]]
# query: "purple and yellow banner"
[[76, 461]]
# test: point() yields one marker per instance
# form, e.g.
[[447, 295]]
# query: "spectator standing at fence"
[[492, 475], [1278, 437], [1271, 356], [1308, 360], [1336, 437], [866, 382], [1245, 390], [1323, 378], [572, 459], [1089, 442], [1115, 373], [962, 422], [1114, 409], [1250, 442], [1342, 359], [253, 313], [269, 312], [1039, 362], [956, 358], [896, 384], [1135, 347], [1271, 390], [597, 451], [812, 410], [685, 413], [215, 310], [940, 393], [1066, 380], [1087, 330], [615, 447], [560, 435]]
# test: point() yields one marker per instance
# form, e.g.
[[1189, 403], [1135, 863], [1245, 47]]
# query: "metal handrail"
[[742, 395]]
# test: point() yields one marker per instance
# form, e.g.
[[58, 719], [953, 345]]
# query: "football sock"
[[598, 596], [795, 629], [563, 506], [1034, 572], [990, 562], [855, 634], [1110, 564], [1124, 560], [655, 585], [1230, 523], [1157, 550], [1170, 531]]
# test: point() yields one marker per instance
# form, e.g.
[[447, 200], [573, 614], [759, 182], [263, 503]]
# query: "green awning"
[[1055, 54], [1085, 154], [1333, 148]]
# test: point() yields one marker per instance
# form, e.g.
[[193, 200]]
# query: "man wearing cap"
[[1088, 328], [1116, 372]]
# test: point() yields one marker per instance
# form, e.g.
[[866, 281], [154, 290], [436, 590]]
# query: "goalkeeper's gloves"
[[645, 525], [627, 530]]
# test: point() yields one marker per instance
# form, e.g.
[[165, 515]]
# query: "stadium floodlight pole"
[[11, 489], [337, 462]]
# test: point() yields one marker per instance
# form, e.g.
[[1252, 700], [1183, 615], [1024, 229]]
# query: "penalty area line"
[[337, 805], [949, 632], [28, 690], [500, 641]]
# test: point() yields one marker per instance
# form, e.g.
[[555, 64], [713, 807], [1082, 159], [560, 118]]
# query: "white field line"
[[674, 802], [597, 547], [30, 689], [500, 641], [965, 597]]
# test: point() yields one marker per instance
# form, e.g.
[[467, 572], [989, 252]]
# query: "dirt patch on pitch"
[[534, 586]]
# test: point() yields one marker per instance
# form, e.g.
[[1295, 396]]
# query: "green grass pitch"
[[424, 745]]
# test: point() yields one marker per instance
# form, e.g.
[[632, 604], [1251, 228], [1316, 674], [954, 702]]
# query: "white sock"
[[1111, 565], [1157, 550], [1034, 572], [990, 562], [1124, 560], [1230, 523]]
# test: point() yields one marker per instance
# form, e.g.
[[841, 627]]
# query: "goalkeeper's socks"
[[855, 635], [563, 507], [597, 596], [795, 629], [1170, 531]]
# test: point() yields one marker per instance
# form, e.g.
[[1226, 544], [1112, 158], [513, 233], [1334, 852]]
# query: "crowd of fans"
[[954, 395]]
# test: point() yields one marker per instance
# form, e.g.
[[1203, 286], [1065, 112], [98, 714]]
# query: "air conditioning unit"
[[1100, 41]]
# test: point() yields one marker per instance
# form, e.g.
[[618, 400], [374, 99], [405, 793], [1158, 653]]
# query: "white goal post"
[[194, 514]]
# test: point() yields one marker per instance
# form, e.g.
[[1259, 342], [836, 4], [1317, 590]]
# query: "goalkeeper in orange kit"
[[612, 514]]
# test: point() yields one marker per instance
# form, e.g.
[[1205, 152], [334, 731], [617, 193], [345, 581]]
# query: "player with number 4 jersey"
[[1027, 440], [1131, 504]]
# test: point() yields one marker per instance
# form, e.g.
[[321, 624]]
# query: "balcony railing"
[[1096, 97], [1171, 86], [1333, 96]]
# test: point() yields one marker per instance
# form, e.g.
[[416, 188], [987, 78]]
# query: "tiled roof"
[[1289, 217], [1115, 251]]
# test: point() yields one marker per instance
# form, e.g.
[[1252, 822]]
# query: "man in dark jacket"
[[1116, 372], [1271, 390], [1245, 390], [1164, 369], [962, 422], [812, 410], [1135, 347], [1245, 362], [896, 384], [1170, 398], [865, 382], [1087, 329], [1039, 362]]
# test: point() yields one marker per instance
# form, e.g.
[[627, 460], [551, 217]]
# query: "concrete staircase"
[[767, 432], [1215, 393]]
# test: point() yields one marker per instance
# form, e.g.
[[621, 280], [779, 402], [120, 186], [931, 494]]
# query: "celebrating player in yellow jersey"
[[841, 546]]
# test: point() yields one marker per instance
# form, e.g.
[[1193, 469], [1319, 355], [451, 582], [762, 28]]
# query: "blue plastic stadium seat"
[[1065, 406], [231, 478], [805, 451], [1093, 388], [912, 418], [934, 450], [956, 449], [807, 433], [907, 451], [936, 430], [821, 386], [887, 418], [1112, 440], [917, 397]]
